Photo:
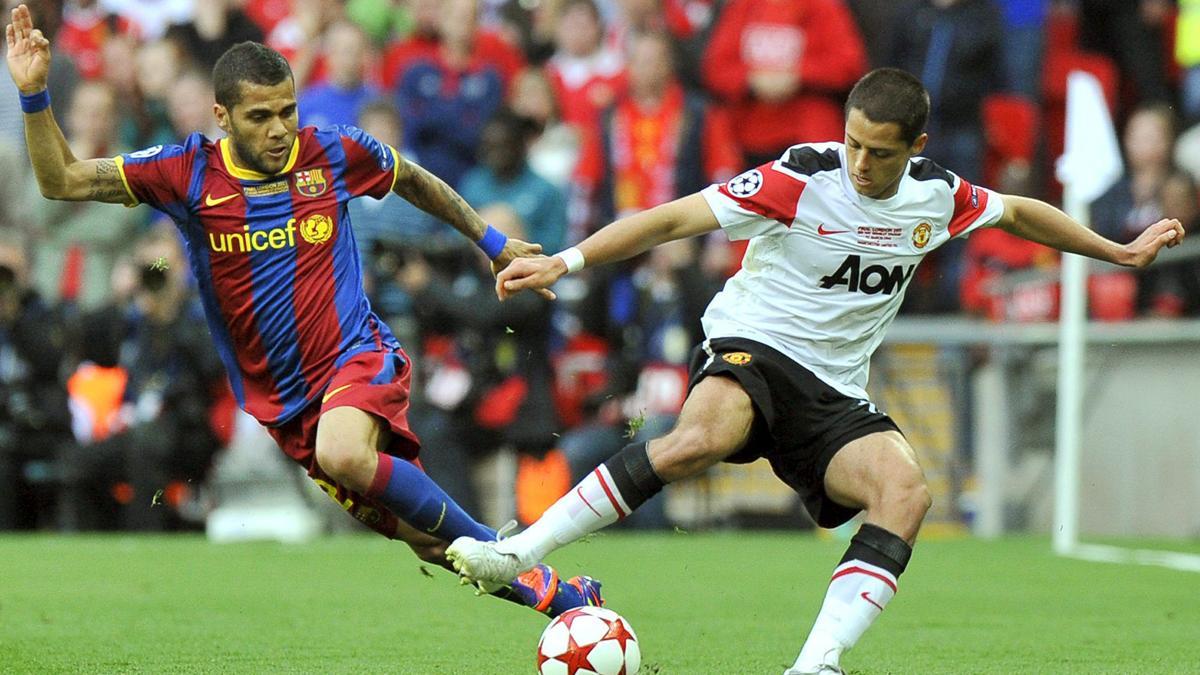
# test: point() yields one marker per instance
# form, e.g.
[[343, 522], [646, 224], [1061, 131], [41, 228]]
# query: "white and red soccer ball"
[[588, 641]]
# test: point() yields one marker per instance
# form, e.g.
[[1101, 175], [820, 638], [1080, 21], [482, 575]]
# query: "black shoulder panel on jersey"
[[927, 169], [807, 160]]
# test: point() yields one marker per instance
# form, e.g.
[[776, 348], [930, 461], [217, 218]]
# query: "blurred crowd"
[[552, 117]]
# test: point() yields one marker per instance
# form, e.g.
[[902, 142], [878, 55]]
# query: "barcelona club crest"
[[920, 235], [737, 358], [311, 183]]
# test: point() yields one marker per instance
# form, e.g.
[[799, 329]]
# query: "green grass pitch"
[[701, 603]]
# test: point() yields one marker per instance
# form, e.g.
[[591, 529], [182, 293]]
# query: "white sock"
[[857, 595], [591, 505]]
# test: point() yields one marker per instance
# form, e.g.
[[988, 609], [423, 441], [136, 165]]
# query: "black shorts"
[[800, 421]]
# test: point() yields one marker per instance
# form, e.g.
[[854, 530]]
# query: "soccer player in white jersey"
[[835, 230]]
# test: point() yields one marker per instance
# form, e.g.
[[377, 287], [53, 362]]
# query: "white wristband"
[[573, 257]]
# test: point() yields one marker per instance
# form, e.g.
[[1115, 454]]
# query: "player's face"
[[262, 126], [878, 155]]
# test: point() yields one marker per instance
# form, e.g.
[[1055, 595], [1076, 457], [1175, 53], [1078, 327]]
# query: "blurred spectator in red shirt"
[[657, 143], [782, 66], [85, 29], [587, 75]]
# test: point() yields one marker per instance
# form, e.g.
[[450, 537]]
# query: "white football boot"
[[487, 563]]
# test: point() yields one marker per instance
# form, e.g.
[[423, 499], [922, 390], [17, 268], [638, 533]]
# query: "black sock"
[[876, 546], [635, 478]]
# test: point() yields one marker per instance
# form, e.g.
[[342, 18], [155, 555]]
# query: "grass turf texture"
[[701, 603]]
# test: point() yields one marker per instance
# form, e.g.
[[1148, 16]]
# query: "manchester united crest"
[[921, 235], [311, 182], [316, 229], [736, 358]]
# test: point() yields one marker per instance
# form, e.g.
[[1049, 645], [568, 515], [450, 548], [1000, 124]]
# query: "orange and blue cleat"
[[541, 589]]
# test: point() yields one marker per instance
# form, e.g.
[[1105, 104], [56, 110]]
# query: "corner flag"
[[1090, 165], [1091, 162]]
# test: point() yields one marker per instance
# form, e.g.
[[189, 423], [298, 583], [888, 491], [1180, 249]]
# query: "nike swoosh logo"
[[335, 392], [823, 232], [209, 201], [866, 597]]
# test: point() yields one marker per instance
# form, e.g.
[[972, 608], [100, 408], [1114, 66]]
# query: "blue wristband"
[[493, 242], [35, 103]]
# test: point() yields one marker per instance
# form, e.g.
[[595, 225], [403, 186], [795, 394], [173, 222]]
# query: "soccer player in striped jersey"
[[836, 231], [263, 214]]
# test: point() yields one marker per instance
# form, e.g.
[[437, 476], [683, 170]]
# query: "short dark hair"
[[247, 62], [892, 95]]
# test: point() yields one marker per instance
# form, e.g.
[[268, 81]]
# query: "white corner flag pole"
[[1090, 165]]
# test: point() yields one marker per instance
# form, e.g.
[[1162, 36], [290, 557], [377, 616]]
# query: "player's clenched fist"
[[28, 52], [1143, 250], [529, 274]]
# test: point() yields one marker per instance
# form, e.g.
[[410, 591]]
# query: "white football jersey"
[[826, 268]]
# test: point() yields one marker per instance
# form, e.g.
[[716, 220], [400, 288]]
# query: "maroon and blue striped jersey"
[[274, 256]]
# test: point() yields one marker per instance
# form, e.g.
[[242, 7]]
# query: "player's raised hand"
[[28, 52], [514, 250], [1143, 250], [536, 274]]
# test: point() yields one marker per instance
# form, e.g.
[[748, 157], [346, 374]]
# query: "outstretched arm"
[[59, 174], [431, 194], [1039, 222], [625, 238]]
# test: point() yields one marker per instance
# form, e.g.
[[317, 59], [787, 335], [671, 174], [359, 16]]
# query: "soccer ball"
[[588, 641]]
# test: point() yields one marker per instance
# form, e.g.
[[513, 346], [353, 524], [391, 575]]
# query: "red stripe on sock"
[[852, 570], [383, 473], [612, 498]]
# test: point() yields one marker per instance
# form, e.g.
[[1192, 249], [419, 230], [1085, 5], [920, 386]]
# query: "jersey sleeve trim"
[[119, 160], [771, 191], [971, 208], [395, 166]]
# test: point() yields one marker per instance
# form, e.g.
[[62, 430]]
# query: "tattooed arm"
[[60, 175], [431, 194]]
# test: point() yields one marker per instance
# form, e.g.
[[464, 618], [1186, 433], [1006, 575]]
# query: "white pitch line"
[[1186, 562]]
